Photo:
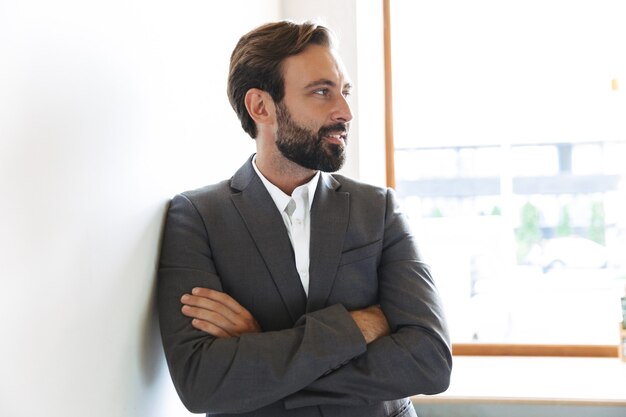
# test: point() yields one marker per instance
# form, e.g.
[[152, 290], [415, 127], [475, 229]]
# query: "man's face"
[[314, 117]]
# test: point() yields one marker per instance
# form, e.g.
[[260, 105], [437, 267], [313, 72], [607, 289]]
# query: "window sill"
[[534, 381]]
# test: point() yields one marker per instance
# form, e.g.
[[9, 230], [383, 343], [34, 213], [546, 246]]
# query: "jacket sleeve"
[[238, 374], [416, 357]]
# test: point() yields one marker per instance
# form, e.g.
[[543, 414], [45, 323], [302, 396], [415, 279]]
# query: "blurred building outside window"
[[510, 142]]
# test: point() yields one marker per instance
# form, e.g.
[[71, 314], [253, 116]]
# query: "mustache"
[[341, 128]]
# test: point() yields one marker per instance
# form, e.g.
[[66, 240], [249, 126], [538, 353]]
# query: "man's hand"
[[372, 323], [218, 313]]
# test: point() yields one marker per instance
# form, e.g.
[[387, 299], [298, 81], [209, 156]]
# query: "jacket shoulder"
[[205, 198], [208, 190], [356, 187]]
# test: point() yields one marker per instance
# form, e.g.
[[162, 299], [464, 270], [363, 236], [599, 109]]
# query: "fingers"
[[217, 313], [219, 297], [209, 301], [208, 327], [207, 319]]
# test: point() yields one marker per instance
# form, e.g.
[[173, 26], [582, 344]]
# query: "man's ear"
[[260, 106]]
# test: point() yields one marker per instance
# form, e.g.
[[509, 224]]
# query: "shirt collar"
[[280, 198]]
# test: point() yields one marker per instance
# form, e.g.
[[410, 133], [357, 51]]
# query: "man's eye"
[[321, 92], [347, 94]]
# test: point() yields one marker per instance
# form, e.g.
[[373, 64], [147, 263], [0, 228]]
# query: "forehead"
[[316, 62]]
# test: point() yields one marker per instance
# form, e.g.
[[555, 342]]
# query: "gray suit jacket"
[[310, 359]]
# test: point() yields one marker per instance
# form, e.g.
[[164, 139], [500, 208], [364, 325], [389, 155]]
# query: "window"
[[509, 146]]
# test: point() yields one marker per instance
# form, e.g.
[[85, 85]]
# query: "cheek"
[[308, 122], [310, 116]]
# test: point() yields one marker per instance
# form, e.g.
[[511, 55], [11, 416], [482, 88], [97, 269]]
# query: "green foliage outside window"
[[564, 228], [596, 226], [529, 232]]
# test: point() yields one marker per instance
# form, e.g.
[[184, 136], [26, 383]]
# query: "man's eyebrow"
[[327, 82]]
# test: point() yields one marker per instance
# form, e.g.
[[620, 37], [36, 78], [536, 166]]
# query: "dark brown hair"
[[257, 58]]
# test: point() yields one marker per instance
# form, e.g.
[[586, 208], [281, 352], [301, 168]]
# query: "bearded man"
[[287, 290]]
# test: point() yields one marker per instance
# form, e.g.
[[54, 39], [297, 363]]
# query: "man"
[[287, 291]]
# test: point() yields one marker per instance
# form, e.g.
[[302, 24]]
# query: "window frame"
[[472, 349]]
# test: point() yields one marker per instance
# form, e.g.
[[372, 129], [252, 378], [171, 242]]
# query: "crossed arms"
[[220, 315], [216, 348]]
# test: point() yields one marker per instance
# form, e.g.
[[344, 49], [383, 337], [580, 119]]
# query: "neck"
[[283, 173]]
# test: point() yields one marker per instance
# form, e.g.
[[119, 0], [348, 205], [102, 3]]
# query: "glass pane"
[[510, 135]]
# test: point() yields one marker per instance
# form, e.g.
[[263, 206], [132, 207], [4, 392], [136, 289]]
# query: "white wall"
[[107, 109]]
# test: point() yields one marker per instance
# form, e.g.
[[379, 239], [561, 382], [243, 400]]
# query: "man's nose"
[[342, 112]]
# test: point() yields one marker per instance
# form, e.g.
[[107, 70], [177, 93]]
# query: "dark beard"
[[306, 148]]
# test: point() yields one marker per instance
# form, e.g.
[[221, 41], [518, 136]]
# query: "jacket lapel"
[[329, 223], [268, 231]]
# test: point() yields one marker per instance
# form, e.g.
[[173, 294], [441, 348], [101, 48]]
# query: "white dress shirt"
[[296, 212]]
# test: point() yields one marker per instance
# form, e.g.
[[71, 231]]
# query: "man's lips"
[[336, 138]]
